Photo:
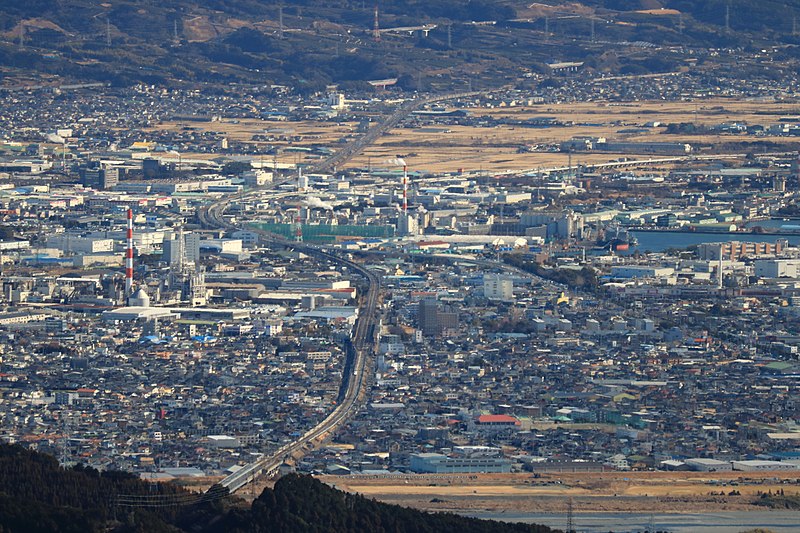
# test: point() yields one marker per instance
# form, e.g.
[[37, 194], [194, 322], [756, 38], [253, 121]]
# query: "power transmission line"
[[216, 492], [570, 519], [728, 18]]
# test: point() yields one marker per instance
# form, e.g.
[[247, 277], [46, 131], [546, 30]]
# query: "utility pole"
[[539, 184], [546, 28], [21, 35], [569, 167], [64, 459], [651, 525], [450, 36], [108, 33], [680, 23], [280, 21]]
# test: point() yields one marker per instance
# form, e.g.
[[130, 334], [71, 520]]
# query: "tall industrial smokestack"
[[129, 258], [298, 219], [405, 190], [298, 224], [399, 161], [797, 167]]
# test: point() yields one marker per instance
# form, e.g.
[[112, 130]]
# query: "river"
[[658, 241], [721, 522]]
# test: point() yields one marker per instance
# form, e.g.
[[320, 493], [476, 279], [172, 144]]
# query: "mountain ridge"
[[311, 44]]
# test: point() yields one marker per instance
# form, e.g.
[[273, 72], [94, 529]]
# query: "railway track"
[[361, 345], [358, 361]]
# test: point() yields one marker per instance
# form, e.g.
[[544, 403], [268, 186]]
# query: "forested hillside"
[[309, 44], [37, 495]]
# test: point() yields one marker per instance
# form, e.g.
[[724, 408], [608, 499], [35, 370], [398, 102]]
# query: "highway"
[[628, 163]]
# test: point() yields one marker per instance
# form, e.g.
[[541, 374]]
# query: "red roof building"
[[498, 420]]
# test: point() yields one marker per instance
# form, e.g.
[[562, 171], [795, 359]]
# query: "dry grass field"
[[439, 148], [447, 149]]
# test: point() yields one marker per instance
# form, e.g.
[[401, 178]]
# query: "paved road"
[[351, 150]]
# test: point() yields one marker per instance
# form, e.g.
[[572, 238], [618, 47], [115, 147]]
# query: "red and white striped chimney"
[[129, 257]]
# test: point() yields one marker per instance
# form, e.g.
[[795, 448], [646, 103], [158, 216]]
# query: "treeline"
[[38, 495], [779, 500], [585, 278]]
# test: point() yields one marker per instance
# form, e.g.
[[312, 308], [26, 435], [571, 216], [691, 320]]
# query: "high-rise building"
[[192, 247], [498, 287], [90, 176], [407, 224], [197, 288], [172, 251], [427, 317], [98, 176], [433, 321], [109, 177], [447, 320]]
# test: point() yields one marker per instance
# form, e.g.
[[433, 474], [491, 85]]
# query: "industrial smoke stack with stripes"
[[129, 258]]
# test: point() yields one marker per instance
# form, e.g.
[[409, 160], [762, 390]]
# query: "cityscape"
[[535, 301]]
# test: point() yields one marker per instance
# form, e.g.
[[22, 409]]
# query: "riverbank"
[[592, 492]]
